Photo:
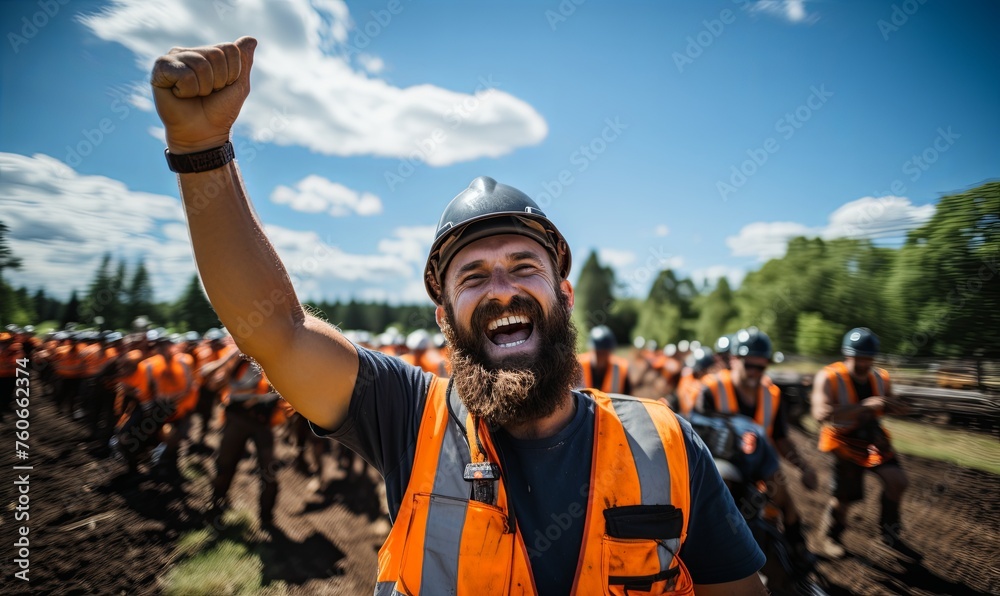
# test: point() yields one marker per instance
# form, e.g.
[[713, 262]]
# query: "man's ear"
[[439, 315], [567, 289]]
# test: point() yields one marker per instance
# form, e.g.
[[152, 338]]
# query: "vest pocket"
[[632, 566], [455, 546], [639, 551]]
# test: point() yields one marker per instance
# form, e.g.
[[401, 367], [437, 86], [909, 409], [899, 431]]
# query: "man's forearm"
[[244, 279]]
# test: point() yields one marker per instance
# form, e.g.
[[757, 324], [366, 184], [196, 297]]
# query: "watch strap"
[[202, 161]]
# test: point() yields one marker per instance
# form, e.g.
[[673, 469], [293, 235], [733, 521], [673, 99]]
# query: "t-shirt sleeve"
[[719, 546], [383, 419]]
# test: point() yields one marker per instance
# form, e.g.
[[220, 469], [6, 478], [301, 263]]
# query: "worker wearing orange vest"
[[702, 361], [70, 367], [170, 383], [602, 369], [745, 389], [251, 410], [848, 399], [470, 492], [10, 352], [213, 349], [422, 355], [104, 368]]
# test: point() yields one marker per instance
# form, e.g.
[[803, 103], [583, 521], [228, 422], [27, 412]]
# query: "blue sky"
[[694, 135]]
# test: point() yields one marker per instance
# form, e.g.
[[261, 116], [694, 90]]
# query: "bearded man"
[[503, 480]]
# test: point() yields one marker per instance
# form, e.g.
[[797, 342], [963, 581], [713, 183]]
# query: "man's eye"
[[523, 268], [473, 278]]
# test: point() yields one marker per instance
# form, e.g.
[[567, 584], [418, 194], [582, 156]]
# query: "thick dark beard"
[[519, 388]]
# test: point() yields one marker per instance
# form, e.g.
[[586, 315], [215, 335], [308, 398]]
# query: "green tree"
[[594, 296], [139, 296], [717, 315], [816, 336], [194, 310], [945, 287], [669, 314], [71, 314], [7, 261]]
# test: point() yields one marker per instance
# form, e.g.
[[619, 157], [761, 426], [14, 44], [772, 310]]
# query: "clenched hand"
[[199, 92]]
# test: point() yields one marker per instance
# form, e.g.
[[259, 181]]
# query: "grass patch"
[[222, 561], [968, 449], [964, 448]]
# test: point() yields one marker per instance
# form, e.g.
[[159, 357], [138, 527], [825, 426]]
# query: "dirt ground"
[[91, 534]]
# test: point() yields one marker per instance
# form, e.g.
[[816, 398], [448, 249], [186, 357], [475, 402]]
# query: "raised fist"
[[199, 92]]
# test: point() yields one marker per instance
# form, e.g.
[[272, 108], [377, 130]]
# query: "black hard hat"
[[724, 344], [601, 338], [701, 359], [485, 209], [860, 341], [752, 342]]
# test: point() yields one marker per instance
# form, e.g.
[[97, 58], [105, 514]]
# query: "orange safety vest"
[[768, 398], [238, 385], [69, 363], [444, 543], [155, 370], [834, 437], [688, 390], [614, 379], [431, 362]]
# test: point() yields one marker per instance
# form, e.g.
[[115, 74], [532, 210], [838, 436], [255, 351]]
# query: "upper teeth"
[[513, 320]]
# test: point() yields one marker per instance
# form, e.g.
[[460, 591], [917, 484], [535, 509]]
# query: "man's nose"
[[501, 286]]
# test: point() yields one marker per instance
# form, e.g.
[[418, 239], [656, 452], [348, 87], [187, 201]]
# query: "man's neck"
[[541, 428]]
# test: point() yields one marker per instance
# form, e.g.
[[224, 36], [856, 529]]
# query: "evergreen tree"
[[7, 261], [594, 297], [194, 310], [71, 314], [139, 296]]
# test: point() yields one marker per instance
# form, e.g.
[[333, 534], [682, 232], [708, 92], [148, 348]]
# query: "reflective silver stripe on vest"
[[879, 382], [722, 394], [650, 462], [616, 374], [449, 500], [768, 408], [843, 394], [386, 589]]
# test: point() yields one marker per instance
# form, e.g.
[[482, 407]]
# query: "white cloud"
[[714, 273], [616, 258], [62, 223], [372, 64], [766, 240], [865, 218], [792, 11], [411, 244], [315, 194], [308, 68], [157, 132], [884, 217], [662, 230]]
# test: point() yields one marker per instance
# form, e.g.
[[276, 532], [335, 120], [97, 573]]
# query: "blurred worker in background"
[[848, 398], [602, 369]]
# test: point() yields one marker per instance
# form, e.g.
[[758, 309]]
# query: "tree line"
[[936, 295]]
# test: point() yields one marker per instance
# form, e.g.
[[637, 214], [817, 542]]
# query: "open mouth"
[[510, 331]]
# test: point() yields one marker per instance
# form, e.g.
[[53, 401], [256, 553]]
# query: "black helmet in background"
[[860, 341], [602, 339], [487, 208], [701, 360], [752, 342]]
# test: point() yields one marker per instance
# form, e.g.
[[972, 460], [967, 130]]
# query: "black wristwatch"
[[203, 161]]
